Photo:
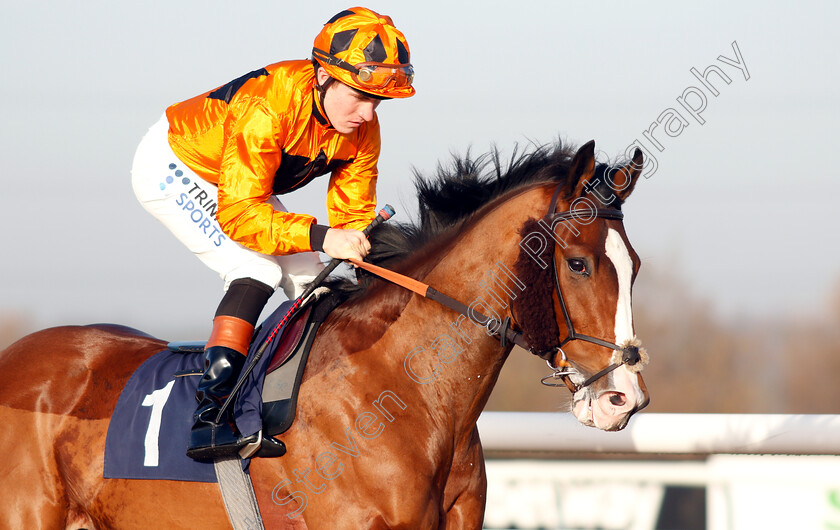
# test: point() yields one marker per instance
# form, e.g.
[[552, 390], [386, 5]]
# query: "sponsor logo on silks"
[[179, 175], [198, 204]]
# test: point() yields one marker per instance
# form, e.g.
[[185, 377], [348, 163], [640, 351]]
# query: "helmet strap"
[[322, 91], [333, 60]]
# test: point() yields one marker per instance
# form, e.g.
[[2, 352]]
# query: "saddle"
[[279, 372], [285, 369]]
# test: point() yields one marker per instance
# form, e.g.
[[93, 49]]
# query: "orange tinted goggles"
[[374, 76], [379, 75]]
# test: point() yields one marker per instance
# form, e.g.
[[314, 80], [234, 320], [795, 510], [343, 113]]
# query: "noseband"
[[629, 353]]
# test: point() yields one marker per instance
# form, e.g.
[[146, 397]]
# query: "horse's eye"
[[578, 266]]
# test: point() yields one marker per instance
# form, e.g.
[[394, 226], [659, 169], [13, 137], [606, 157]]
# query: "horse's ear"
[[582, 169], [624, 178]]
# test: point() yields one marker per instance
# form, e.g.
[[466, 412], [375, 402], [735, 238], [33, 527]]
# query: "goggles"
[[371, 75], [378, 75]]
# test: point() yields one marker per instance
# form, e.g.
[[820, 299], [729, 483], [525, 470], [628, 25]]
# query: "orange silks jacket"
[[264, 134]]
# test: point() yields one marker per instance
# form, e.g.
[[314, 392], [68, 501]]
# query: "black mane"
[[454, 194]]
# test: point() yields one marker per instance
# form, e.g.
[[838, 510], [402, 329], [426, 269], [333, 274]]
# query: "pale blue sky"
[[741, 206]]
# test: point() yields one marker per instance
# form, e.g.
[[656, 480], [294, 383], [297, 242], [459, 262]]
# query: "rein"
[[502, 330]]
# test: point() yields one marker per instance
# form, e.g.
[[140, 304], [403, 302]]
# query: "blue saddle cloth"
[[149, 430]]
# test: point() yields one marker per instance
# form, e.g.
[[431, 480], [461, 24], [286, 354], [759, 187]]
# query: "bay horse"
[[385, 435]]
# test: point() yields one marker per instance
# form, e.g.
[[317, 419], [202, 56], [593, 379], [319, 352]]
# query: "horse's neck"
[[430, 356], [457, 362]]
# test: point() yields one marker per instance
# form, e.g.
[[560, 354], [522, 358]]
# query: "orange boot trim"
[[231, 332]]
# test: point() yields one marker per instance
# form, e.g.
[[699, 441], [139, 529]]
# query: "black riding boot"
[[208, 439]]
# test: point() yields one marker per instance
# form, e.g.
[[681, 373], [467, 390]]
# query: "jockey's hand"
[[343, 244]]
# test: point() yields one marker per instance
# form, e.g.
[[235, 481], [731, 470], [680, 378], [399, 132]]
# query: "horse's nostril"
[[618, 399]]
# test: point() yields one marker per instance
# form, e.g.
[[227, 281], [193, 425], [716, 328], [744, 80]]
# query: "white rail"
[[812, 434]]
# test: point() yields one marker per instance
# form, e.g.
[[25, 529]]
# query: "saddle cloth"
[[149, 430]]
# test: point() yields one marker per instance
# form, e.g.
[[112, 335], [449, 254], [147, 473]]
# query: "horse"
[[385, 434]]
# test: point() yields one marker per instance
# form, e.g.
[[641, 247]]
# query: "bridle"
[[629, 353]]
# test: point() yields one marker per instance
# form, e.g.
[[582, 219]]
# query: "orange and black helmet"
[[364, 50]]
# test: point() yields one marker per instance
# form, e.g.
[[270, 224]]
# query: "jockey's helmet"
[[364, 50]]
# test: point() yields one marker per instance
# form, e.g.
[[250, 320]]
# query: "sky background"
[[743, 206]]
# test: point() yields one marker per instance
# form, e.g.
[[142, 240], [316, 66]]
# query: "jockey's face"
[[346, 107]]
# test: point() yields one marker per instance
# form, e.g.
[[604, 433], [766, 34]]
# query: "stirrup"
[[214, 446], [248, 450], [263, 447]]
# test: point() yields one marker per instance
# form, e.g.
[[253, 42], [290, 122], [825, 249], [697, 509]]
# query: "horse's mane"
[[453, 196]]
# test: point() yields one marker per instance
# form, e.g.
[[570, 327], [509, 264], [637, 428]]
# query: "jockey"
[[210, 169]]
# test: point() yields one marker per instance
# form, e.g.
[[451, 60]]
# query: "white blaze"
[[600, 411], [620, 257]]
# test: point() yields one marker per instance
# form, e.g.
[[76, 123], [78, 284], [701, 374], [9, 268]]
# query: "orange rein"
[[501, 330], [394, 277]]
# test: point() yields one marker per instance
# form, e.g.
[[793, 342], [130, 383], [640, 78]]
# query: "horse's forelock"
[[605, 197]]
